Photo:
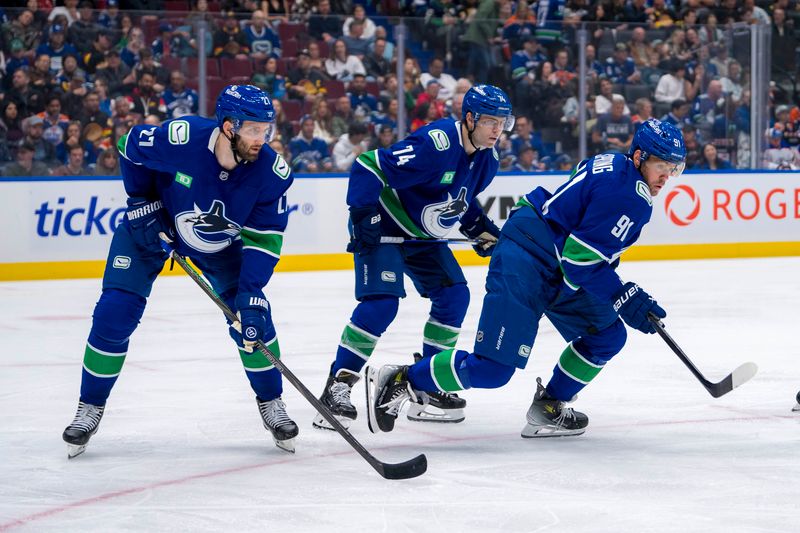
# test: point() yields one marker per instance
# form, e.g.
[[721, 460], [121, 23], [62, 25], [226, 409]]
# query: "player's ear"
[[637, 158]]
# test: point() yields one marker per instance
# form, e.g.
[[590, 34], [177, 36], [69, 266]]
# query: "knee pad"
[[116, 315], [600, 347], [449, 304], [375, 313]]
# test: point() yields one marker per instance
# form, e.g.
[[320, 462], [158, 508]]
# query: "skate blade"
[[285, 445], [537, 432], [371, 376], [320, 422], [796, 408], [429, 413], [74, 450]]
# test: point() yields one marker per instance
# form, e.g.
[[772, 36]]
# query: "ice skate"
[[548, 417], [387, 391], [283, 429], [82, 427], [436, 406], [797, 405], [336, 398]]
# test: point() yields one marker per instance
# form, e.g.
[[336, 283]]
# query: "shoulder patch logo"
[[178, 132], [644, 192], [281, 167], [440, 140], [447, 177], [495, 154], [183, 179]]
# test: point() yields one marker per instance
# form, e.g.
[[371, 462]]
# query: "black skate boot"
[[548, 417], [283, 429], [336, 398], [387, 390], [82, 427], [797, 407], [436, 406]]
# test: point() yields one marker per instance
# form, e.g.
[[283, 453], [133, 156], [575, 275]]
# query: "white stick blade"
[[743, 374]]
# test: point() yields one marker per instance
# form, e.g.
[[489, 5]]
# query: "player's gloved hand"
[[146, 219], [366, 223], [483, 230], [252, 309], [633, 304]]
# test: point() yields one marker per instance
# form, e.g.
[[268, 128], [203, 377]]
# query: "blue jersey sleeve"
[[149, 146]]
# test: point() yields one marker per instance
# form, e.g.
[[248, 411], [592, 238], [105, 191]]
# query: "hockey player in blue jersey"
[[418, 188], [219, 191], [556, 256]]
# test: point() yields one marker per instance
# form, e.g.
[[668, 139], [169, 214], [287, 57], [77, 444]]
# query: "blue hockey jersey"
[[594, 217], [214, 210], [425, 183]]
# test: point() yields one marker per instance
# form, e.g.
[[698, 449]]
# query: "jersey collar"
[[458, 129], [212, 140]]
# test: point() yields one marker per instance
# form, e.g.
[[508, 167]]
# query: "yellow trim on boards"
[[344, 261]]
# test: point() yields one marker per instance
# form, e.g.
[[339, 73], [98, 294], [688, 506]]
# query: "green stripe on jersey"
[[257, 361], [360, 342], [577, 367], [267, 241], [579, 253], [102, 364], [121, 144], [439, 335], [444, 373]]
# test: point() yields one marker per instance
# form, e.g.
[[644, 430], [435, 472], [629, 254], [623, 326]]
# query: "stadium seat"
[[171, 63], [334, 88], [289, 48], [176, 5], [373, 88], [212, 67], [292, 30], [292, 109], [635, 91], [233, 68]]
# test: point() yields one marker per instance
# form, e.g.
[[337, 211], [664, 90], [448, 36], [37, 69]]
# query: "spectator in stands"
[[28, 98], [122, 31], [644, 110], [454, 109], [527, 160], [324, 25], [25, 165], [342, 65], [95, 56], [359, 15], [605, 98], [269, 80], [661, 15], [784, 44], [317, 61], [678, 115], [230, 41], [284, 131], [56, 47], [145, 99], [613, 131], [118, 75], [694, 152], [637, 12], [563, 72], [524, 135], [101, 88], [709, 33], [447, 83], [620, 68], [17, 59], [711, 160], [376, 65], [279, 148], [33, 128], [263, 42], [363, 103], [520, 26], [734, 83], [385, 137], [644, 56], [323, 121], [23, 30], [709, 105], [147, 63], [75, 164], [179, 99], [389, 115], [672, 85], [109, 18], [10, 130], [431, 97], [524, 64], [309, 153], [40, 75], [563, 163], [91, 114], [83, 31], [162, 45], [72, 137], [68, 11], [304, 82], [777, 156], [357, 45], [678, 48], [480, 34], [54, 121], [133, 47], [349, 146], [424, 113], [107, 163]]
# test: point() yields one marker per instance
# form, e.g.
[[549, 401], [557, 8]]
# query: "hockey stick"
[[741, 375], [402, 240], [405, 470]]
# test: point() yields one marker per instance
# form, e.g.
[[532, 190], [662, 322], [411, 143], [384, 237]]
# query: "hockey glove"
[[484, 231], [252, 309], [146, 219], [633, 304], [366, 229]]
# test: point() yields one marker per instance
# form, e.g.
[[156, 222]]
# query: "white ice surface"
[[181, 447]]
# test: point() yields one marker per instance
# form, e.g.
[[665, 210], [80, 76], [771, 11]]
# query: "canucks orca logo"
[[207, 231], [440, 217]]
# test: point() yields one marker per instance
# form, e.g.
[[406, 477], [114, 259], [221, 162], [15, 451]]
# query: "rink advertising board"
[[62, 227]]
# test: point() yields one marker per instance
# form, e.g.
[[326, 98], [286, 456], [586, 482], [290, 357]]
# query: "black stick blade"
[[405, 470]]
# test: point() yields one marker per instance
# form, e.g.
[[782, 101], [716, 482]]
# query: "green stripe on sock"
[[440, 335], [577, 367], [357, 341], [443, 372], [257, 361], [102, 364]]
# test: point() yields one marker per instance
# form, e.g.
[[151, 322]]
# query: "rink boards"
[[61, 227]]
